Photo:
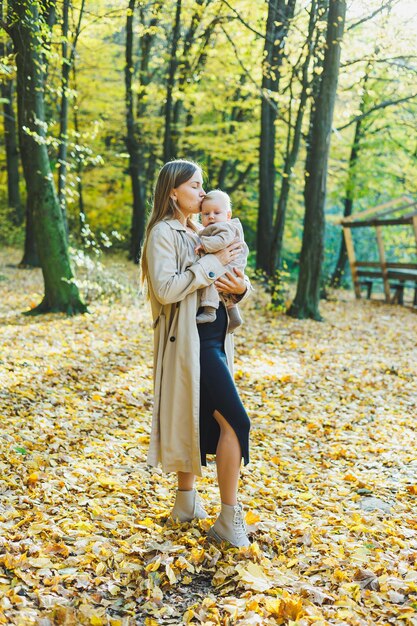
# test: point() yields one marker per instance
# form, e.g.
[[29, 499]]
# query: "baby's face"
[[213, 211]]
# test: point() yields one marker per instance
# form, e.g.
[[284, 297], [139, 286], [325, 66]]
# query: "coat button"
[[172, 338], [212, 274]]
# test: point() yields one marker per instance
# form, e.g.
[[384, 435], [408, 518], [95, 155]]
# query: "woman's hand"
[[228, 254], [231, 282]]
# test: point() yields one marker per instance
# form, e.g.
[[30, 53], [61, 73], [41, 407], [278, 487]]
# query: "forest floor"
[[330, 493]]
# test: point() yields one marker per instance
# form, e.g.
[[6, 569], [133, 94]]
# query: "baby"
[[219, 231]]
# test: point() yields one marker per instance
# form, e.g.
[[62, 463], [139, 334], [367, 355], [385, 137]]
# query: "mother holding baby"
[[197, 410]]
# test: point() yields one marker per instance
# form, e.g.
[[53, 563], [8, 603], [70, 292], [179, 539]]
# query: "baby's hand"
[[199, 249]]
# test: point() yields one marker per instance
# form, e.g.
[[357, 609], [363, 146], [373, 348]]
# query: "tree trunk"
[[61, 293], [228, 167], [68, 53], [168, 146], [63, 115], [187, 71], [78, 159], [185, 68], [291, 155], [279, 14], [11, 144], [339, 270], [342, 260], [135, 150], [139, 209], [30, 257], [306, 302]]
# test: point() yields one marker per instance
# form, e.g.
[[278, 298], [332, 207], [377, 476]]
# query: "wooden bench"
[[393, 275], [368, 284], [402, 276], [402, 273]]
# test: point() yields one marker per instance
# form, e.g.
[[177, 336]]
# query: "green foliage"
[[279, 286], [93, 278], [10, 233]]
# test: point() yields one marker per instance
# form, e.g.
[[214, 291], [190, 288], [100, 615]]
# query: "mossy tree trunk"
[[306, 302], [25, 21]]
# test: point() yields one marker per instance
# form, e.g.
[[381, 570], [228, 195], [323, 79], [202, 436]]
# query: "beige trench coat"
[[175, 275]]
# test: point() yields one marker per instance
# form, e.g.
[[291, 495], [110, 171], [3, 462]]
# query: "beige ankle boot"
[[187, 506], [230, 526]]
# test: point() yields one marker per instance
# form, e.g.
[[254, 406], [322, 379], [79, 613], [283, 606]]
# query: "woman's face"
[[190, 194]]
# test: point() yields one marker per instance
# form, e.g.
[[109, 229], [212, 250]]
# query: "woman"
[[193, 415]]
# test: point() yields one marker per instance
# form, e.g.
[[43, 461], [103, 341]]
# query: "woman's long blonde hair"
[[172, 175]]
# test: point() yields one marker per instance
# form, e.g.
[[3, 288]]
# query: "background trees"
[[234, 88]]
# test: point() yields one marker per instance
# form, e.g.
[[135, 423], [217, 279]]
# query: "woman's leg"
[[187, 505], [230, 524], [185, 481], [228, 460]]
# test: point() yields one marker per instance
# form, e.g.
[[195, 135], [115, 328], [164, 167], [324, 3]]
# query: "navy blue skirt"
[[218, 390]]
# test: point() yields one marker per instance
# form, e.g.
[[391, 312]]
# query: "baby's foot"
[[235, 319], [208, 315]]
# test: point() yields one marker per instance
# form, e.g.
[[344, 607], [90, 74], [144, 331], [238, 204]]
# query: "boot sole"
[[213, 535], [177, 520]]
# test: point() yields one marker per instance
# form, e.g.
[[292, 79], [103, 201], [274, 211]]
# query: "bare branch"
[[263, 92], [77, 32], [240, 179], [240, 18], [387, 5], [402, 57], [377, 107]]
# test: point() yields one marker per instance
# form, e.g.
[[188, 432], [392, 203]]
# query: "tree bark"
[[293, 146], [186, 67], [78, 159], [138, 217], [168, 145], [63, 115], [342, 259], [11, 144], [228, 167], [30, 257], [61, 293], [68, 53], [279, 14], [135, 143], [183, 72], [306, 302]]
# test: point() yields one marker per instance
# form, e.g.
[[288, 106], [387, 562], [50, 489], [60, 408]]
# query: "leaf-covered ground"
[[330, 493]]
